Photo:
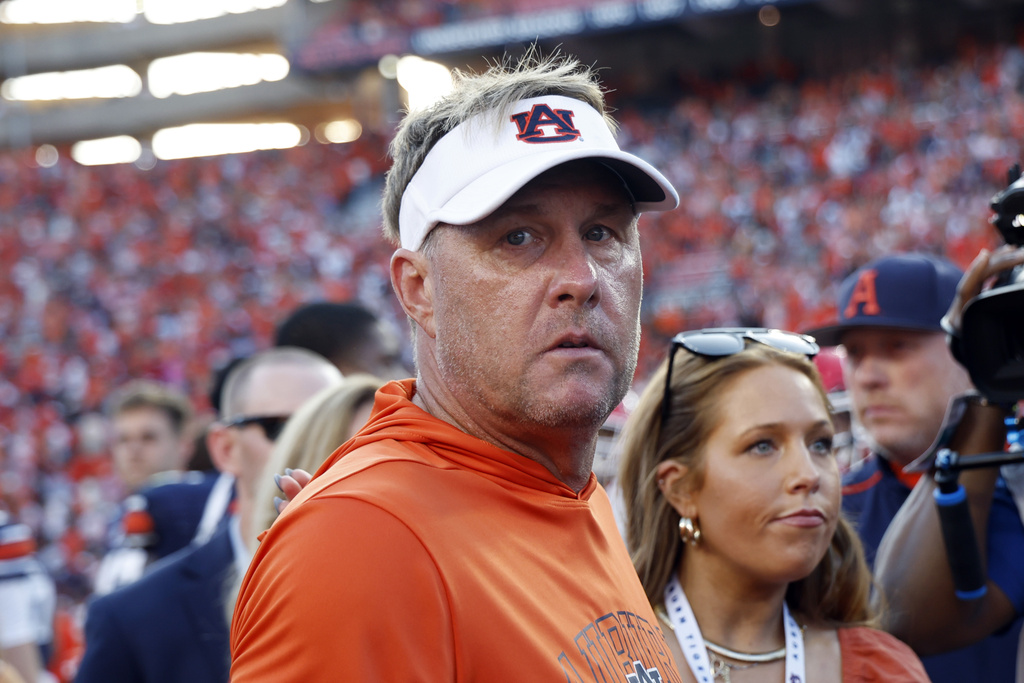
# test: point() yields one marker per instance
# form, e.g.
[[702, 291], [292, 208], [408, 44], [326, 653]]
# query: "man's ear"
[[677, 487], [220, 442], [412, 282]]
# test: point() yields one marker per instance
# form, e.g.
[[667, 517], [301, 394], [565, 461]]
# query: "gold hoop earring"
[[689, 531]]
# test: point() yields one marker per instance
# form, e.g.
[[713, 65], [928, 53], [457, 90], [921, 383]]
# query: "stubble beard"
[[523, 402]]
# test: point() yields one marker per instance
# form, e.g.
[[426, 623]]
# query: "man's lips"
[[880, 411], [575, 340]]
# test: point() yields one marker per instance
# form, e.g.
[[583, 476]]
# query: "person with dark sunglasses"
[[732, 499], [271, 425], [171, 625]]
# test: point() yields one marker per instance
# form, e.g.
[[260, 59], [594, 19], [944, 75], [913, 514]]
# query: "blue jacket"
[[873, 495], [167, 627]]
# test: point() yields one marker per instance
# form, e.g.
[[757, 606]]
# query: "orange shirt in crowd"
[[873, 656], [420, 553]]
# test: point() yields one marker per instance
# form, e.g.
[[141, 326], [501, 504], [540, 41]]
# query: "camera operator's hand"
[[986, 265]]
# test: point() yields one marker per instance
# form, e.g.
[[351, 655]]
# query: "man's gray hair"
[[493, 91]]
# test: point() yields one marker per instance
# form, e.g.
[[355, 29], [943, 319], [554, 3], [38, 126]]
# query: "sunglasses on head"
[[270, 424], [719, 342]]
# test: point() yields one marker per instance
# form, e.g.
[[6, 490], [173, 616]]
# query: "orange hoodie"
[[420, 553]]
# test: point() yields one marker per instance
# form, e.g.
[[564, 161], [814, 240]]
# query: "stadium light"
[[339, 132], [125, 11], [105, 82], [66, 11], [197, 72], [47, 156], [769, 15], [179, 11], [425, 82], [121, 149], [212, 139], [388, 67]]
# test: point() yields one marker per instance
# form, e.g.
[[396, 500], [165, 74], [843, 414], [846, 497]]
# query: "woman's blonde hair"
[[837, 591], [312, 433], [323, 423]]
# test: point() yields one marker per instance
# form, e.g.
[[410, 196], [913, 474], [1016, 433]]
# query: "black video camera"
[[992, 329]]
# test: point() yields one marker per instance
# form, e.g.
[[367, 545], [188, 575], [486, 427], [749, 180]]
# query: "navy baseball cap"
[[905, 292]]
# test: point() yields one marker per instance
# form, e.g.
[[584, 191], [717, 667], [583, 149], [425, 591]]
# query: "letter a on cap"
[[863, 294], [531, 124]]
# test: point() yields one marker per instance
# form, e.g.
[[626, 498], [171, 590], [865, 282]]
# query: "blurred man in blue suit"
[[171, 625]]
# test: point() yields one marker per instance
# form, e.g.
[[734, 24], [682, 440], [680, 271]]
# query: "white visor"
[[480, 163]]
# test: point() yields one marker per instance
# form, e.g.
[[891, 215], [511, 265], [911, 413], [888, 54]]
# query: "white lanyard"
[[687, 631]]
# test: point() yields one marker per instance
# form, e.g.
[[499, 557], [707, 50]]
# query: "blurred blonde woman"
[[313, 432], [323, 423], [733, 518]]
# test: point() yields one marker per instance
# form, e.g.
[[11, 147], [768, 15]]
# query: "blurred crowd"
[[115, 273], [785, 193], [375, 16]]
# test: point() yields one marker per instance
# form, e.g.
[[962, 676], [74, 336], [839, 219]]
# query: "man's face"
[[536, 307], [900, 382], [272, 390], [381, 355], [145, 443]]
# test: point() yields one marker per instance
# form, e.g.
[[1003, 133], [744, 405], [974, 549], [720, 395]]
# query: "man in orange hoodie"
[[460, 535]]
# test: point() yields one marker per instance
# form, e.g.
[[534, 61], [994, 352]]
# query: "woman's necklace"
[[722, 668], [706, 659], [772, 656]]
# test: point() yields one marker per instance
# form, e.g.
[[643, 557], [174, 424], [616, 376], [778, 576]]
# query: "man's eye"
[[517, 238], [598, 233]]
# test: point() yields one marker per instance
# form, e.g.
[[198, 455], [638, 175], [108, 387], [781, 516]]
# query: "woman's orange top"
[[873, 656]]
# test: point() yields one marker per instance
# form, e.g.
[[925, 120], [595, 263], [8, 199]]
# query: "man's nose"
[[868, 371], [575, 274]]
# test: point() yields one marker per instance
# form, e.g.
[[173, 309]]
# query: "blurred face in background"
[[273, 390], [145, 442], [900, 383], [381, 355]]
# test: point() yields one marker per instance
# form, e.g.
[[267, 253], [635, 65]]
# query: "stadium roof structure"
[[333, 55], [337, 45], [72, 47]]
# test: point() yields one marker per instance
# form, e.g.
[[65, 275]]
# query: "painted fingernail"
[[288, 471], [278, 504], [277, 481]]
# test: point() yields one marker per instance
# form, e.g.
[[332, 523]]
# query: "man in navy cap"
[[901, 376]]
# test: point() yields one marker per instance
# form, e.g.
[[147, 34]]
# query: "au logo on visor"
[[544, 124]]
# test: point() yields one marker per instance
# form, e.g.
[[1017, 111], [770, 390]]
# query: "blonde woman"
[[733, 503], [326, 421], [313, 432]]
